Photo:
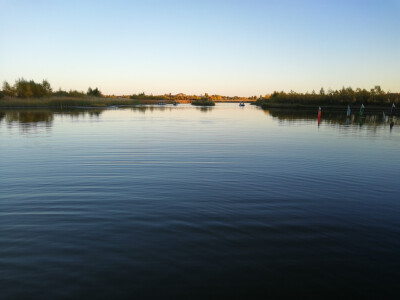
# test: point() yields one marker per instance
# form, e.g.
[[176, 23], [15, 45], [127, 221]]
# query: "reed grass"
[[69, 102]]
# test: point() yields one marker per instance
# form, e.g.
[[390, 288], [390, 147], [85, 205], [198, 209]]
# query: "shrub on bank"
[[203, 102], [94, 92]]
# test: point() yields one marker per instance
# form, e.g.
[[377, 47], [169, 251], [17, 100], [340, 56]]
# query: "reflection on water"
[[332, 118], [205, 108], [35, 119], [152, 108], [27, 118]]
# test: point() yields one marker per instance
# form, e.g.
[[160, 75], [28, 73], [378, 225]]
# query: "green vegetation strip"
[[64, 102]]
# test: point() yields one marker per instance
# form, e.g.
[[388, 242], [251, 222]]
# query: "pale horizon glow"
[[234, 48]]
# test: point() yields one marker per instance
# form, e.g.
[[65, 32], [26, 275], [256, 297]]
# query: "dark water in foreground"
[[167, 202]]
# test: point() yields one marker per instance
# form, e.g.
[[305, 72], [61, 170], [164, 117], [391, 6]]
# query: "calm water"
[[166, 202]]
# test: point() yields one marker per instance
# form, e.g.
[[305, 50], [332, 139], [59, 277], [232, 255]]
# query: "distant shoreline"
[[55, 102], [87, 102], [24, 93]]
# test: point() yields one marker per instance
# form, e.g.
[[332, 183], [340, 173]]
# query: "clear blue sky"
[[220, 47]]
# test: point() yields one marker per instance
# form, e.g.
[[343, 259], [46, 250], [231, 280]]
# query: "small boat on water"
[[175, 103], [241, 104]]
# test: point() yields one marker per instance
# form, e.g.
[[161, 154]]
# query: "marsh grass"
[[69, 102]]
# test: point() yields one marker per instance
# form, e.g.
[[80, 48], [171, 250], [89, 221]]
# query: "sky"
[[235, 47]]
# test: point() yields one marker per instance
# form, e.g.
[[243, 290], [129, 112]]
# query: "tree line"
[[30, 89], [344, 96]]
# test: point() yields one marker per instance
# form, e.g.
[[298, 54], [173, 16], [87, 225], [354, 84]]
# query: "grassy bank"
[[69, 102]]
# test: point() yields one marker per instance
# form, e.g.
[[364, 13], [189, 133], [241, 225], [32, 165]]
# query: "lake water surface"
[[167, 202]]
